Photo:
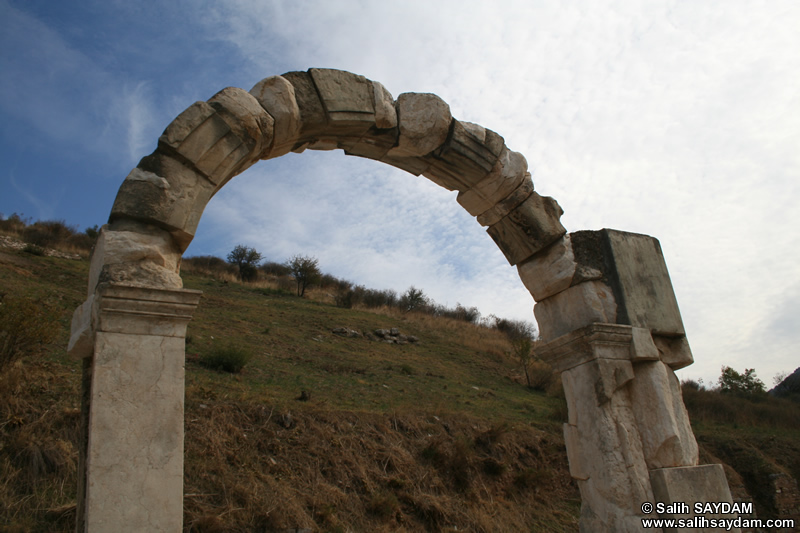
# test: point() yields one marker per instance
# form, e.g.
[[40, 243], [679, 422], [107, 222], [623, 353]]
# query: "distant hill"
[[789, 387]]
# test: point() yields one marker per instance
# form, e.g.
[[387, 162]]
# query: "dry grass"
[[343, 471]]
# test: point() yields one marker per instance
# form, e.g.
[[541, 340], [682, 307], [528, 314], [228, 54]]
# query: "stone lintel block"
[[690, 485], [657, 401], [144, 311], [412, 165], [313, 118], [674, 351], [424, 121], [508, 204], [163, 191], [506, 176], [550, 271], [529, 228], [462, 161], [633, 266], [385, 112], [347, 98], [276, 95], [81, 339], [574, 308]]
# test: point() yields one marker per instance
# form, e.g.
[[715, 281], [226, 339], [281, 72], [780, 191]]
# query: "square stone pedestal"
[[131, 476]]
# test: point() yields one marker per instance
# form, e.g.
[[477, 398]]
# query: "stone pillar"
[[606, 308], [604, 445], [132, 461]]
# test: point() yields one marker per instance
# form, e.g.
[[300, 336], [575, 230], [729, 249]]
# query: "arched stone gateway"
[[604, 299]]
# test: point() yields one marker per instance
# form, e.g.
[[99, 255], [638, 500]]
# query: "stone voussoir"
[[163, 191], [277, 96], [463, 160], [508, 173], [511, 202], [529, 228], [424, 122], [314, 120], [347, 99]]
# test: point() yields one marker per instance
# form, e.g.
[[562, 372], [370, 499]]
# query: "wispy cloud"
[[672, 119]]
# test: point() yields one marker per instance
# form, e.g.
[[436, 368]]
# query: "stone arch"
[[604, 298]]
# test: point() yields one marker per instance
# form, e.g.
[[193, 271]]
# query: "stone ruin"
[[604, 300]]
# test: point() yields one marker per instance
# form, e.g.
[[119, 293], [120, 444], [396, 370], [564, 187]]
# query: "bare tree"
[[305, 270]]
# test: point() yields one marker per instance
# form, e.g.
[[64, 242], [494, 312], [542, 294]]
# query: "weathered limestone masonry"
[[605, 305], [605, 300]]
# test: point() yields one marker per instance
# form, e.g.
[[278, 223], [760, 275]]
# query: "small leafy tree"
[[522, 336], [305, 270], [246, 260], [731, 381], [413, 300]]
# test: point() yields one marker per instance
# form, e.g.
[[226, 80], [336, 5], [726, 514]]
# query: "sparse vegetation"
[[26, 327], [420, 437]]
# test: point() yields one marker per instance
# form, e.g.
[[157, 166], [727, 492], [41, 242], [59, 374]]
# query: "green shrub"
[[226, 358], [33, 249]]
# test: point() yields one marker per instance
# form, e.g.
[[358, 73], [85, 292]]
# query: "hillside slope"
[[327, 433]]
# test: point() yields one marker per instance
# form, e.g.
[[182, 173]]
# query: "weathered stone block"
[[642, 346], [578, 306], [375, 144], [139, 256], [81, 338], [549, 271], [412, 165], [276, 95], [164, 192], [385, 112], [604, 447], [424, 122], [314, 120], [595, 341], [134, 457], [217, 141], [505, 206], [633, 266], [508, 173], [577, 468], [248, 121], [690, 485], [347, 99], [674, 351], [462, 161], [529, 228], [667, 438]]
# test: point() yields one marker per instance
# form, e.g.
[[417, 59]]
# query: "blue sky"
[[676, 119]]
